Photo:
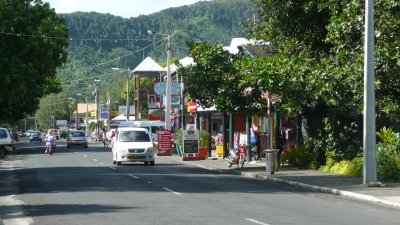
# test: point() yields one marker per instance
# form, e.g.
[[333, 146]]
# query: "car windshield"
[[134, 136], [77, 134], [3, 133], [36, 133]]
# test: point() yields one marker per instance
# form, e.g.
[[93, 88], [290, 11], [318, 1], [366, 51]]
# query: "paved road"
[[81, 186]]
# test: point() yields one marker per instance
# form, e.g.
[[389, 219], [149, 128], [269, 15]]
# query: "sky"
[[123, 8]]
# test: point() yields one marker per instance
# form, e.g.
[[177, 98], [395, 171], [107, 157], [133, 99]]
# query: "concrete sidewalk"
[[311, 180]]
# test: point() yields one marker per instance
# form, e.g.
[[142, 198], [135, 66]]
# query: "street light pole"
[[97, 109], [87, 116], [168, 87], [168, 83], [127, 94], [369, 142]]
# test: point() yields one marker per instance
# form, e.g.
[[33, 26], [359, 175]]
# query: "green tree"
[[33, 42], [219, 79], [57, 105], [318, 64]]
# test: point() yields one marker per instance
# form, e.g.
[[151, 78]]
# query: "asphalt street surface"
[[82, 186]]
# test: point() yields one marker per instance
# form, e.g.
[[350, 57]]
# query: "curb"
[[325, 190], [309, 187]]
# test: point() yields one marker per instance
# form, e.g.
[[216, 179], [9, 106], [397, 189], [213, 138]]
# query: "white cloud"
[[124, 8]]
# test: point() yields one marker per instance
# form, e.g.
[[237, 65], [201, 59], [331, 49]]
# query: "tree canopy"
[[219, 79], [33, 43], [317, 69]]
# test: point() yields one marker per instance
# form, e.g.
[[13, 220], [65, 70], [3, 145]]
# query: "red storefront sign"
[[164, 142]]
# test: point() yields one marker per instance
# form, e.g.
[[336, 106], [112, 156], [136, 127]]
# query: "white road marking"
[[102, 163], [84, 155], [149, 182], [133, 176], [256, 221], [112, 167], [95, 160], [167, 189]]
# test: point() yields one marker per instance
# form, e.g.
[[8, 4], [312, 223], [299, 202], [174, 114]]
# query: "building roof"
[[148, 67]]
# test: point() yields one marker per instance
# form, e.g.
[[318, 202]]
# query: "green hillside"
[[99, 42]]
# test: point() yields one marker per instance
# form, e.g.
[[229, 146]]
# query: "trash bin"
[[271, 160]]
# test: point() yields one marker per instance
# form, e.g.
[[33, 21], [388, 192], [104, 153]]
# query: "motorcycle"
[[254, 152], [237, 156], [50, 146]]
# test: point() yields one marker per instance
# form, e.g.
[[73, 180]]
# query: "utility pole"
[[127, 95], [108, 111], [76, 116], [168, 87], [87, 116], [369, 142], [97, 109]]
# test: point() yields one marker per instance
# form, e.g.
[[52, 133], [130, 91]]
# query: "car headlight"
[[151, 150]]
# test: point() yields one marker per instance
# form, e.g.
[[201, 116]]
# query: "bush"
[[387, 154], [352, 167], [387, 168], [298, 156], [387, 159]]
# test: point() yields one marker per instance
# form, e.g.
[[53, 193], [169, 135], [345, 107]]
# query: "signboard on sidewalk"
[[164, 142], [190, 141]]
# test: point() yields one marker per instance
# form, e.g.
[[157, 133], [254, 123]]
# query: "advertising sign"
[[61, 123], [190, 141], [175, 100], [104, 113], [159, 88], [164, 142], [122, 110]]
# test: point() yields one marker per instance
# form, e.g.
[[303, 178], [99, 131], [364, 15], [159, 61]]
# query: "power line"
[[75, 38]]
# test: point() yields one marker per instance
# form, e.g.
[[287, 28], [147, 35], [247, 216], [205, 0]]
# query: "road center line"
[[112, 167], [167, 189], [133, 176], [256, 221], [102, 163], [95, 160], [84, 155]]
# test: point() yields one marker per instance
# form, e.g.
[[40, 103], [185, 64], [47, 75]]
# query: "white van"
[[151, 125]]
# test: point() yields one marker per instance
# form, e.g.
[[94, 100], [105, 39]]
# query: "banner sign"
[[164, 142]]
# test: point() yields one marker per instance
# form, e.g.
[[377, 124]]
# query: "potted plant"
[[203, 143]]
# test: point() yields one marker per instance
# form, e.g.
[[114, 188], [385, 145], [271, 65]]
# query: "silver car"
[[77, 138]]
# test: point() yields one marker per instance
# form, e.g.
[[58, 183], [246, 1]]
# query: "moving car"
[[150, 125], [133, 144], [55, 133], [35, 136], [7, 142], [77, 137]]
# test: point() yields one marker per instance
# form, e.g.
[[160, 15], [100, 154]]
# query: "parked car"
[[77, 137], [35, 136], [133, 144], [28, 133], [7, 142], [55, 133]]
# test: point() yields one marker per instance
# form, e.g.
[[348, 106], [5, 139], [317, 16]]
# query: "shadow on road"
[[59, 209]]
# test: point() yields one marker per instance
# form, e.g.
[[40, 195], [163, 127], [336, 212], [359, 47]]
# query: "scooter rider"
[[50, 139]]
